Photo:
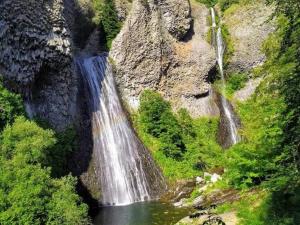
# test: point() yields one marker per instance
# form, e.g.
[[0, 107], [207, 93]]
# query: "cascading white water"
[[220, 48], [118, 150], [214, 25]]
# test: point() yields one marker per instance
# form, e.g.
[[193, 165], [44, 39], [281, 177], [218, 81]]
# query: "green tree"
[[26, 142], [225, 4], [65, 206], [11, 105], [110, 21], [28, 193], [158, 120]]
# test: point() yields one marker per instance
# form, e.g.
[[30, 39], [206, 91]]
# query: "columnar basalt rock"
[[36, 49], [160, 47]]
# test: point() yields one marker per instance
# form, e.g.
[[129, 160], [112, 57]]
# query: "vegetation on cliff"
[[105, 17], [267, 158], [182, 146], [10, 106], [32, 190]]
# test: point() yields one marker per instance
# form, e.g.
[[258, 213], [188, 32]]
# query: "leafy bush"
[[28, 193], [235, 82], [11, 105], [269, 153], [158, 120], [229, 45], [164, 132], [26, 142], [99, 14], [110, 21]]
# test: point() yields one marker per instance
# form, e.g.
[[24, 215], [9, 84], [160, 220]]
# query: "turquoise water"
[[144, 213]]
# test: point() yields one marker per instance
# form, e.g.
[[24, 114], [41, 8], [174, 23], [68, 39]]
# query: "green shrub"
[[235, 82], [58, 156], [26, 142], [168, 134], [158, 120], [11, 105], [28, 193], [110, 21], [269, 152], [229, 45]]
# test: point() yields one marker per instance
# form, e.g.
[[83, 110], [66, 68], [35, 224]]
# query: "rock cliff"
[[36, 57], [162, 47], [37, 53], [249, 25]]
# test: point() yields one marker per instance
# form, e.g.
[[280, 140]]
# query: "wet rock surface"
[[179, 190]]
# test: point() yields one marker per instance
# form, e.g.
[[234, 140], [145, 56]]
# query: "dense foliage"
[[28, 193], [269, 153], [208, 3], [30, 159], [158, 120], [225, 4], [162, 130], [10, 106], [110, 21], [234, 82], [106, 18]]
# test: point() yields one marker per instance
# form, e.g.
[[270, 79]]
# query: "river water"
[[143, 213]]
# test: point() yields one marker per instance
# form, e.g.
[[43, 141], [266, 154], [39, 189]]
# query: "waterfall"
[[123, 163], [29, 109], [228, 112]]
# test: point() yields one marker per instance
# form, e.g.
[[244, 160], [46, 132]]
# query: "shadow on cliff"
[[189, 35], [81, 162]]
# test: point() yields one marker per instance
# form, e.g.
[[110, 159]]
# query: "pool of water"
[[144, 213]]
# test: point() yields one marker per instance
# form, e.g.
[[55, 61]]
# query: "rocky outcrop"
[[247, 91], [228, 218], [36, 57], [122, 8], [161, 48], [249, 25]]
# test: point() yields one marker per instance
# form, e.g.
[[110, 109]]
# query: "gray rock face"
[[36, 58], [148, 53], [176, 17], [246, 92], [249, 25], [123, 8]]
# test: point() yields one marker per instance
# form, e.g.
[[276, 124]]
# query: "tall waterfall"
[[228, 112], [123, 163]]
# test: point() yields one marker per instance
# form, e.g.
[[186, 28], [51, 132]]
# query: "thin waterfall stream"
[[228, 112], [125, 169]]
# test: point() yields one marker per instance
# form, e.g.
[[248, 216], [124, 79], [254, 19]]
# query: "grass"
[[234, 82], [249, 208]]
